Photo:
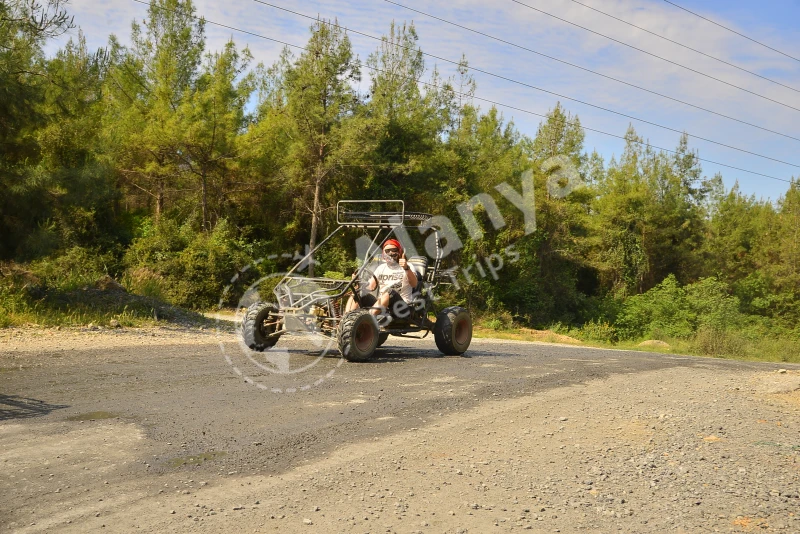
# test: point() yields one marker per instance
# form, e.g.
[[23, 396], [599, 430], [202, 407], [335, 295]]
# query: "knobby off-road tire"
[[453, 330], [254, 332], [358, 336]]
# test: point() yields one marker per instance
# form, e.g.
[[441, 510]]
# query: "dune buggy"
[[306, 304]]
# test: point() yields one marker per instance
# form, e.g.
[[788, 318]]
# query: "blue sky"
[[772, 22]]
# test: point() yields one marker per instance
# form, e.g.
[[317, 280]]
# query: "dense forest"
[[168, 167]]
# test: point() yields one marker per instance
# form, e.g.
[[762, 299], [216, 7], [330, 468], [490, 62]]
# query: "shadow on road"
[[398, 354], [14, 407]]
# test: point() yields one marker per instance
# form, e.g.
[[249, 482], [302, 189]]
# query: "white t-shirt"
[[395, 277]]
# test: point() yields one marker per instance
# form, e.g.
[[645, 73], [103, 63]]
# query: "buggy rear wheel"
[[453, 330], [260, 320], [358, 336]]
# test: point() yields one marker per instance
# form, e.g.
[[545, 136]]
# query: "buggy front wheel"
[[260, 321], [358, 335], [382, 338], [453, 330]]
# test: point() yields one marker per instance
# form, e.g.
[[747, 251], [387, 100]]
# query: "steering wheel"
[[366, 274]]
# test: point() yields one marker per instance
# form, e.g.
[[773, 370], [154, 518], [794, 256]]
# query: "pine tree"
[[319, 98], [25, 25], [212, 117], [146, 86]]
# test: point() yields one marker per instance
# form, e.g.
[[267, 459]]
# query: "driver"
[[396, 277]]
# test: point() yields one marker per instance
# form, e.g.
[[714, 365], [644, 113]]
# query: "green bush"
[[145, 282], [75, 268], [712, 341], [669, 310], [75, 299], [781, 349], [494, 324], [12, 299], [599, 331], [712, 305], [190, 269], [662, 311], [755, 294], [497, 320]]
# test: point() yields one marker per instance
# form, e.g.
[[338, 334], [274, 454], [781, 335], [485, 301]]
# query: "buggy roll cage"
[[384, 222]]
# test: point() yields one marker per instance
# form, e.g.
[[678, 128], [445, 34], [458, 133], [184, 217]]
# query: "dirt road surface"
[[177, 430]]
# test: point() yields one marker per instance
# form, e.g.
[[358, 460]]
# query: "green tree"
[[733, 235], [25, 25], [650, 217], [555, 259], [317, 99], [781, 249], [405, 121], [146, 86], [212, 118], [81, 193]]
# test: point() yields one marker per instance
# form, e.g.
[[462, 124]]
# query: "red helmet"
[[394, 242]]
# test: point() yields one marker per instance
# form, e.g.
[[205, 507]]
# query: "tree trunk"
[[160, 200], [204, 200], [314, 224]]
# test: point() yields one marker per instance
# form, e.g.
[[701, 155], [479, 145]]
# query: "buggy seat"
[[420, 265]]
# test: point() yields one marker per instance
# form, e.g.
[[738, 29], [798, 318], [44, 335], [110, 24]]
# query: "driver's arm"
[[411, 274], [373, 281]]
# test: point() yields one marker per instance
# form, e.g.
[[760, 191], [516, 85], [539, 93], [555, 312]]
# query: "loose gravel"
[[671, 451], [701, 448]]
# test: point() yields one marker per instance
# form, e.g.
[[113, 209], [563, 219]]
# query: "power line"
[[657, 56], [612, 135], [731, 30], [685, 46], [544, 90], [488, 101], [594, 72]]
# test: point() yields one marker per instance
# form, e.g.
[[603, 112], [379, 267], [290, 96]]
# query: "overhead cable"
[[732, 30], [488, 101], [657, 56], [595, 72], [524, 84], [587, 6]]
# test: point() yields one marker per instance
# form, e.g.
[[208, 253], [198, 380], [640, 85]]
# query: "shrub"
[[663, 310], [191, 269], [778, 349], [713, 341], [12, 298], [494, 324], [755, 294], [145, 282], [713, 306], [599, 331], [493, 319], [75, 268], [669, 310]]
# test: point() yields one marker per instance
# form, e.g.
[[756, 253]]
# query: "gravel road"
[[157, 430]]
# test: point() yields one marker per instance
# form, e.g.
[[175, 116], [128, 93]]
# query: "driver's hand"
[[403, 262]]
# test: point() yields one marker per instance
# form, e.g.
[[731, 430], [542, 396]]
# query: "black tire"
[[358, 336], [254, 332], [382, 338], [453, 330]]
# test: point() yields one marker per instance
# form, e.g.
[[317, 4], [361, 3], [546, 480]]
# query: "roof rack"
[[362, 214]]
